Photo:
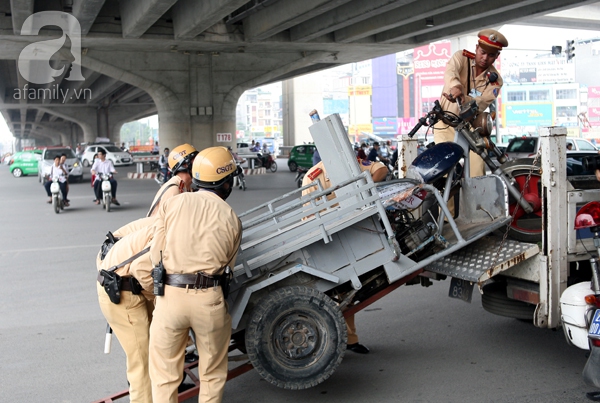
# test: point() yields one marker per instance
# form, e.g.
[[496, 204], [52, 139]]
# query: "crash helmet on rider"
[[214, 169], [181, 158]]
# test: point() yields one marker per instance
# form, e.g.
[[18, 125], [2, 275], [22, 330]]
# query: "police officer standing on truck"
[[180, 163], [471, 76], [196, 239]]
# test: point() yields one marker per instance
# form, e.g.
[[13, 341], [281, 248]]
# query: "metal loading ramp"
[[474, 263]]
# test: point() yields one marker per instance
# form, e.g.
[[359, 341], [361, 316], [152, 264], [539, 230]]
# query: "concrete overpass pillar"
[[102, 123], [189, 92], [65, 139], [196, 93], [83, 116]]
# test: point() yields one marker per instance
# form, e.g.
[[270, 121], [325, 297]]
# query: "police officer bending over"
[[471, 76], [126, 300], [196, 237]]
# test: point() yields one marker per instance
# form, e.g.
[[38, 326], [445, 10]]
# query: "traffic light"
[[570, 49]]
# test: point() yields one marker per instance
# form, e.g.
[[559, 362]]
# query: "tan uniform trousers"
[[130, 321], [205, 311], [351, 328], [446, 134]]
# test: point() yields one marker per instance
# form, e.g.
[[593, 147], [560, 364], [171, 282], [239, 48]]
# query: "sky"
[[520, 37]]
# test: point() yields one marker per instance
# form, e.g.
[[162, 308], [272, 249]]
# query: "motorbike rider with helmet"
[[196, 236], [180, 163]]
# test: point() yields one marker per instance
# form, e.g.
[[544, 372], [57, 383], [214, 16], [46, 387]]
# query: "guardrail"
[[139, 161]]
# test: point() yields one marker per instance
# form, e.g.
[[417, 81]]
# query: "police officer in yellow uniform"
[[196, 236], [180, 163], [317, 172], [130, 317], [467, 77], [134, 226]]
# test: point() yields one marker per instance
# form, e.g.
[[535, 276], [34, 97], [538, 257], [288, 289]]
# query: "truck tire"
[[296, 337], [494, 300]]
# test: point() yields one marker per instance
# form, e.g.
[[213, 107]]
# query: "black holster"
[[225, 280], [107, 244], [112, 285], [136, 287]]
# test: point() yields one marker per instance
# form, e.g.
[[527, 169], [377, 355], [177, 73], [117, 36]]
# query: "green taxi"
[[301, 156], [25, 163]]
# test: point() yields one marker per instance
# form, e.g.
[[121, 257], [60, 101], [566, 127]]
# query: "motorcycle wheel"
[[525, 227], [273, 167], [55, 204], [107, 202]]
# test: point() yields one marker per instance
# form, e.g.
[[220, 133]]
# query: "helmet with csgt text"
[[213, 167], [180, 159]]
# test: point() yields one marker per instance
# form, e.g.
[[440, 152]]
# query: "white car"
[[113, 153], [73, 164]]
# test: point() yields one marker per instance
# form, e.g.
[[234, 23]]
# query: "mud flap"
[[591, 371]]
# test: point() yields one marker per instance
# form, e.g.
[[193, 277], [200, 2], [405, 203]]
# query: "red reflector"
[[524, 295], [595, 342], [588, 216]]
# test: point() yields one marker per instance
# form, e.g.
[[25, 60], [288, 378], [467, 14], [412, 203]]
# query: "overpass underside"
[[74, 70]]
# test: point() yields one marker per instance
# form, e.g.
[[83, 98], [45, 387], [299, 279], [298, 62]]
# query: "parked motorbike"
[[106, 191], [267, 161], [580, 303], [160, 177], [241, 179], [57, 199], [473, 134], [300, 173]]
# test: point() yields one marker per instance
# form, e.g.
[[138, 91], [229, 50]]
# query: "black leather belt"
[[197, 280], [125, 283]]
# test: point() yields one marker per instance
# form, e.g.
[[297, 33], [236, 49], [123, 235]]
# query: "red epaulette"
[[468, 54]]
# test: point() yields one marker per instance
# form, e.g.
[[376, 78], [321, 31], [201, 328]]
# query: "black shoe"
[[594, 396], [358, 348], [115, 202], [191, 357]]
